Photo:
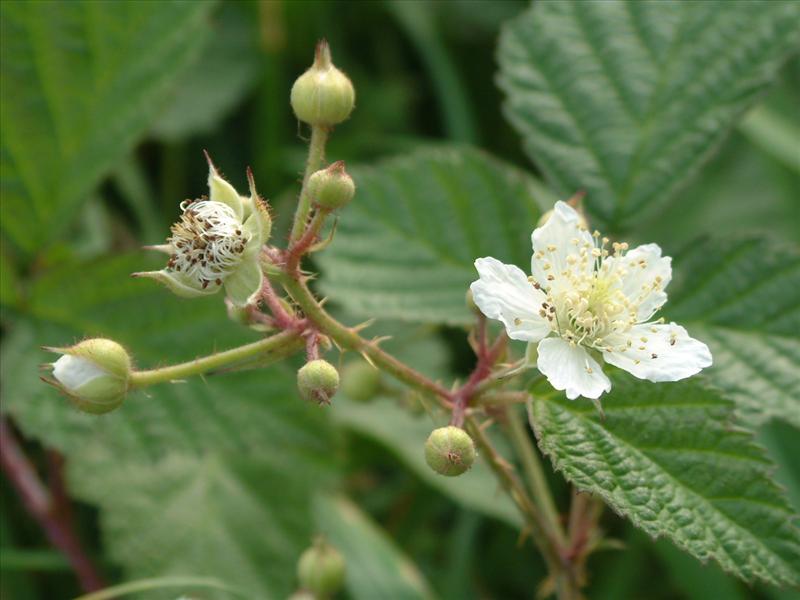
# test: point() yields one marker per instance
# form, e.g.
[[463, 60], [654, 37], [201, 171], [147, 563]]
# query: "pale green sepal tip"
[[259, 226], [244, 284], [221, 191], [177, 285]]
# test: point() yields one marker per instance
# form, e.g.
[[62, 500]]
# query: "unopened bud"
[[94, 374], [331, 188], [449, 451], [361, 381], [321, 569], [318, 381], [323, 95]]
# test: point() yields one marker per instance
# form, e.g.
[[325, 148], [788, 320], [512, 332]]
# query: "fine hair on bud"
[[449, 451], [94, 374], [323, 95], [321, 569], [318, 381], [331, 188]]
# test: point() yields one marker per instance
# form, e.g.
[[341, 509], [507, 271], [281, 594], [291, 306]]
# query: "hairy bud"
[[361, 381], [94, 374], [449, 451], [318, 381], [331, 188], [323, 95], [321, 569]]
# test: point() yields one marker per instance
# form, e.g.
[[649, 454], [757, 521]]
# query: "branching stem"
[[316, 156]]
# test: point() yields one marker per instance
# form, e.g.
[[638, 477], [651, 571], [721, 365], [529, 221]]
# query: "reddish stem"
[[51, 510], [282, 318]]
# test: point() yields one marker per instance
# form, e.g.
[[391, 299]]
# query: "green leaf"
[[406, 246], [404, 435], [211, 476], [81, 83], [667, 457], [628, 99], [742, 297], [217, 82], [376, 568]]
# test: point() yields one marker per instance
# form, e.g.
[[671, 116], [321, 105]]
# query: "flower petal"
[[180, 286], [658, 352], [244, 284], [569, 367], [220, 190], [557, 247], [503, 292], [643, 275]]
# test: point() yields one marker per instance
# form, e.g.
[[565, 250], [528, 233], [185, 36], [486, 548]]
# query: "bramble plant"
[[573, 360]]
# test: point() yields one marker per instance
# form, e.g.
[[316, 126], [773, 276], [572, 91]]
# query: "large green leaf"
[[81, 82], [211, 476], [404, 248], [742, 297], [628, 99], [217, 81], [668, 457], [376, 568]]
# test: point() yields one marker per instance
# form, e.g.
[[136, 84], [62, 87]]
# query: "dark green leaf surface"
[[405, 247], [209, 476], [81, 83], [742, 297], [628, 99], [667, 457]]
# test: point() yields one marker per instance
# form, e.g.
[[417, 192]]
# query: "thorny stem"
[[49, 509], [277, 344], [306, 240], [316, 156]]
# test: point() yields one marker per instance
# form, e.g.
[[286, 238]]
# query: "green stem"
[[270, 345], [160, 583], [316, 156], [349, 339], [534, 473]]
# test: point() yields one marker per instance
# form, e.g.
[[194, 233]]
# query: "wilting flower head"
[[584, 304], [216, 243]]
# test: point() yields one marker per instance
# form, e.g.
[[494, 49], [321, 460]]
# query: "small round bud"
[[321, 569], [331, 188], [361, 381], [318, 381], [94, 374], [323, 95], [449, 451]]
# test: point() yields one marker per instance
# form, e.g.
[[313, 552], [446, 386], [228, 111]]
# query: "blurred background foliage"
[[104, 116]]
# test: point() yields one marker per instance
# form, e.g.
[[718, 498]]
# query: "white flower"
[[584, 305], [216, 243]]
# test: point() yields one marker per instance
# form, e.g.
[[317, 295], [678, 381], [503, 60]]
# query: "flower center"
[[208, 240], [589, 303]]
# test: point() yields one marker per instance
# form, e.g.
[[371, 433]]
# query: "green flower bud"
[[94, 374], [331, 188], [323, 95], [318, 381], [321, 569], [361, 381], [449, 451]]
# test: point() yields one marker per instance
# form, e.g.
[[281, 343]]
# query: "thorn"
[[252, 183], [380, 339], [210, 162], [326, 242], [368, 359], [362, 326]]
